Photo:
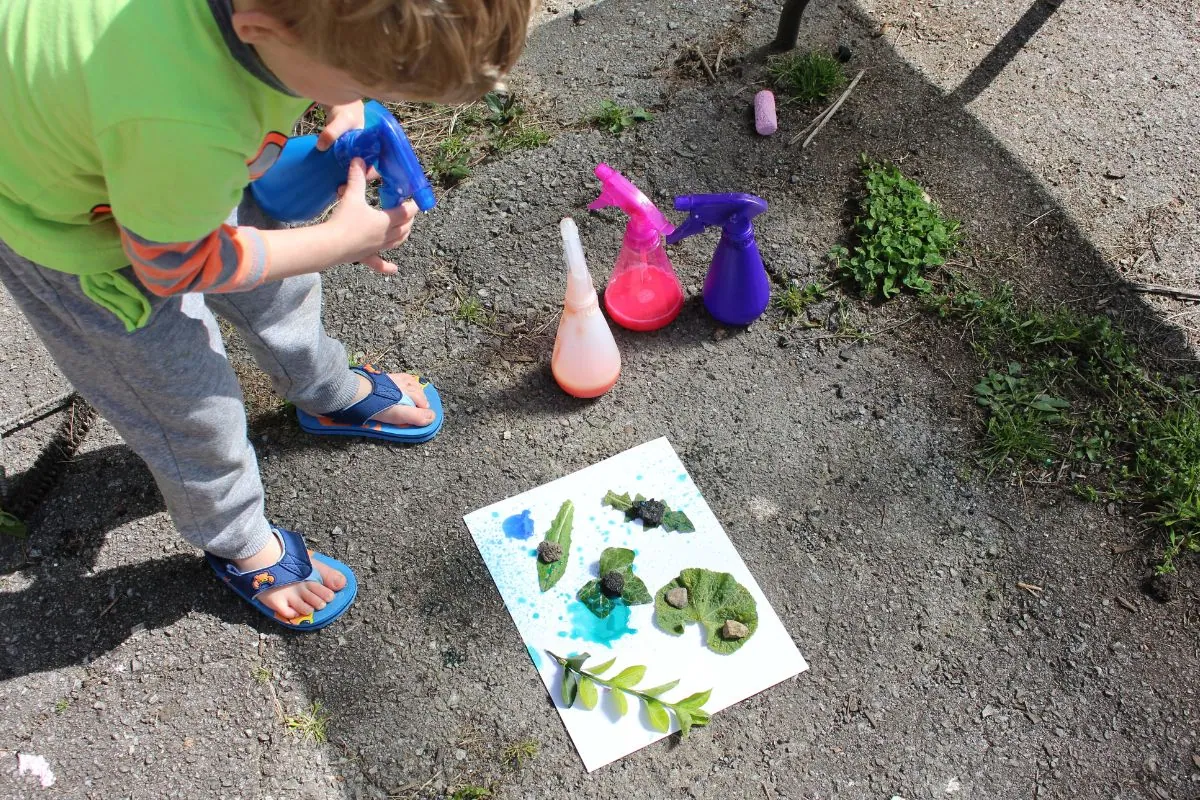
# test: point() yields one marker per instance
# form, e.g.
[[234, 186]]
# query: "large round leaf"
[[713, 597]]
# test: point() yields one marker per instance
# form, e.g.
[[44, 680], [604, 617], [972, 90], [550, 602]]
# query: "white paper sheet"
[[556, 621]]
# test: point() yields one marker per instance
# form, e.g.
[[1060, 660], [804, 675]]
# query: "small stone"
[[651, 512], [613, 584], [577, 17], [732, 629], [844, 53], [506, 435], [783, 341], [550, 552], [460, 754], [677, 597]]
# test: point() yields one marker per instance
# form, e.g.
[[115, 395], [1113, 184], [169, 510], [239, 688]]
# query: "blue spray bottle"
[[737, 289], [304, 181]]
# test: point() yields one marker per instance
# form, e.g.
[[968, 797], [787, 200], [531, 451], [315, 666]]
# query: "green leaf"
[[587, 693], [660, 690], [642, 115], [592, 595], [635, 592], [696, 700], [615, 558], [713, 597], [685, 721], [576, 662], [11, 525], [677, 521], [700, 717], [660, 720], [600, 670], [620, 702], [629, 677], [621, 502], [560, 532], [570, 687]]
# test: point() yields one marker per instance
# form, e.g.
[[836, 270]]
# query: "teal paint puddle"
[[535, 656], [519, 526], [588, 627]]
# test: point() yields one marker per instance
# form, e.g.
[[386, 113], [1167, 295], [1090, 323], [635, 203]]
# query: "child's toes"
[[411, 385], [332, 579], [406, 416], [310, 596]]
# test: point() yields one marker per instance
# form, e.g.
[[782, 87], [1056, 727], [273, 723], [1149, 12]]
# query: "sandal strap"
[[384, 394], [294, 566]]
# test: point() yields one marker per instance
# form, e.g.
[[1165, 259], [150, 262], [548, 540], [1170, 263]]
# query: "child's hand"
[[365, 230], [338, 120]]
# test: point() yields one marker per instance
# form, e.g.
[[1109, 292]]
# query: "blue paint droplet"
[[639, 477], [536, 615], [562, 634], [533, 551], [682, 477], [587, 626], [534, 655], [519, 526], [495, 514]]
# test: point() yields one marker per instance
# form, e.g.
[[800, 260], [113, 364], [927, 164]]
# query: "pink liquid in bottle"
[[586, 362]]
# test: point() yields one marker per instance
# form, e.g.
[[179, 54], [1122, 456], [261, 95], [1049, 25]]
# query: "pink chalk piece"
[[764, 113]]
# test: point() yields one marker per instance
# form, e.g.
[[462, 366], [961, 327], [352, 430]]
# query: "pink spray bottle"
[[586, 362], [643, 293]]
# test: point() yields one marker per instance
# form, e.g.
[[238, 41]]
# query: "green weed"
[[261, 674], [11, 525], [310, 724], [471, 793], [795, 300], [452, 161], [616, 119], [62, 705], [517, 753], [805, 77], [470, 309], [1067, 388], [901, 236]]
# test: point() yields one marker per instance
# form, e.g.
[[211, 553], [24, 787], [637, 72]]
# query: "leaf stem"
[[608, 685]]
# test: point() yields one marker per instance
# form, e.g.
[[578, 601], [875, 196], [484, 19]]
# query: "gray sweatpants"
[[170, 392]]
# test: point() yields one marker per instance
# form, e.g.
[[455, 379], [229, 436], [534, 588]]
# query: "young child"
[[131, 128]]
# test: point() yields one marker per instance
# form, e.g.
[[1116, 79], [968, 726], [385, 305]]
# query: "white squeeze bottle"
[[586, 361]]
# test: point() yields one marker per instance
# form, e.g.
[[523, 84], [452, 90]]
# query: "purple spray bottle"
[[737, 289]]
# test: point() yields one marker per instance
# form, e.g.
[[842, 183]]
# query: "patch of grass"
[[517, 753], [62, 704], [471, 310], [261, 674], [1066, 396], [616, 118], [795, 299], [470, 792], [310, 724], [520, 138], [901, 235], [452, 161], [805, 77]]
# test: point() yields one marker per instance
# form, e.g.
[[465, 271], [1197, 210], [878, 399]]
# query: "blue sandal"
[[356, 420], [294, 566]]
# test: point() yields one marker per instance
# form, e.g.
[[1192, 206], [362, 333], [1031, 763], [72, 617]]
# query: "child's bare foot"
[[401, 415], [295, 599]]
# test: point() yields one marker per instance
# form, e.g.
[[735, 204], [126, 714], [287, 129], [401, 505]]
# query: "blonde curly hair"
[[444, 51]]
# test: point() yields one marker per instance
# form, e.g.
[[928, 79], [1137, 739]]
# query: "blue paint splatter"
[[533, 551], [519, 526], [587, 626], [495, 514], [682, 477], [534, 655], [639, 477], [536, 615]]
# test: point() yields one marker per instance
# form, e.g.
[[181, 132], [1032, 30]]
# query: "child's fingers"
[[378, 264], [356, 178], [405, 212]]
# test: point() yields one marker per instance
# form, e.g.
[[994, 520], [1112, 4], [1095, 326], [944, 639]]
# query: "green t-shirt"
[[129, 108]]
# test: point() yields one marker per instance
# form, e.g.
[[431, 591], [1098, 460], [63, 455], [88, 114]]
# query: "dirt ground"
[[1063, 137]]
